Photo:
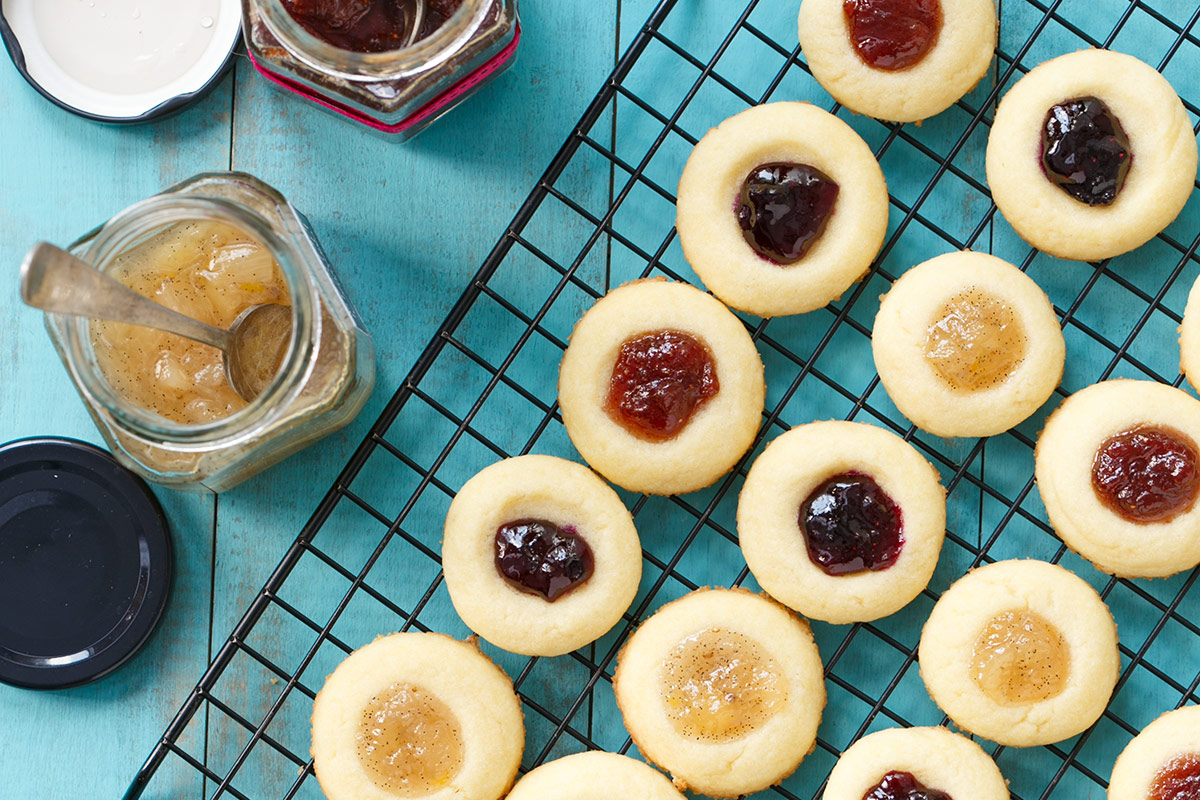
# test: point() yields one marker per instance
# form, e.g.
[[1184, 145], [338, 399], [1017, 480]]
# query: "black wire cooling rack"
[[484, 388]]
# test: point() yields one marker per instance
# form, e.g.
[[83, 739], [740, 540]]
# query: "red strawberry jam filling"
[[892, 34], [1147, 473], [659, 381]]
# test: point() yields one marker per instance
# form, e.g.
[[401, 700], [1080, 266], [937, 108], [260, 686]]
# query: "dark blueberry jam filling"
[[659, 381], [892, 34], [903, 786], [1085, 151], [851, 525], [783, 209], [1147, 474], [542, 558]]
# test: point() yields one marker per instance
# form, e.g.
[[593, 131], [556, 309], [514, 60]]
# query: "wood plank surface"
[[405, 226]]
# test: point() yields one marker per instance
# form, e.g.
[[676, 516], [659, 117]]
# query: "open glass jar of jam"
[[393, 65], [210, 248]]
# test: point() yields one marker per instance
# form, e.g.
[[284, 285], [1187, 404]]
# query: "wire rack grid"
[[484, 389]]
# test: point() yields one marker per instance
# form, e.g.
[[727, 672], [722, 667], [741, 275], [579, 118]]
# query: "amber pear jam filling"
[[1019, 658], [206, 270], [892, 34], [539, 557], [719, 685], [659, 382], [1085, 151], [783, 209], [903, 786], [409, 742], [1147, 473], [1178, 779], [975, 341]]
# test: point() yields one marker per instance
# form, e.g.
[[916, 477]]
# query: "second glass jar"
[[396, 92]]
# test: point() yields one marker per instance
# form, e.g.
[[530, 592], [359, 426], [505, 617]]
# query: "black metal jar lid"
[[119, 60], [85, 563]]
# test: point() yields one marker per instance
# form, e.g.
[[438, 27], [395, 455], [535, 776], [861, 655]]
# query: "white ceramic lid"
[[120, 60]]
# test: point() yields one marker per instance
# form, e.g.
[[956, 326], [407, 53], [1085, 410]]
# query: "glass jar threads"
[[394, 66], [211, 247]]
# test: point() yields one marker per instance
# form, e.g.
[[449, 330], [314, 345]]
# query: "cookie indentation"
[[719, 685], [1147, 473], [975, 341], [1020, 657], [409, 741]]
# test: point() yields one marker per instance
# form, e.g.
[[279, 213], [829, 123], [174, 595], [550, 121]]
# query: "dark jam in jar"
[[783, 209], [851, 525], [1178, 779], [540, 557], [659, 381], [1085, 151], [1147, 473], [903, 786], [370, 26], [892, 34]]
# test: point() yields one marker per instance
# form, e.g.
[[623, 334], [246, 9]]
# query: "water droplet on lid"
[[206, 22]]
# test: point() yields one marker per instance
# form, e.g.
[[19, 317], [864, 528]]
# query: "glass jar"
[[325, 375], [396, 92]]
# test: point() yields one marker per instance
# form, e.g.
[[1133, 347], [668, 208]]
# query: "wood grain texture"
[[405, 226]]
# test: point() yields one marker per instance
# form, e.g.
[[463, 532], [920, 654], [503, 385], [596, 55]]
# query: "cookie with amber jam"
[[1162, 762], [1091, 155], [1118, 468], [722, 688], [898, 60], [540, 556], [967, 345], [781, 208], [661, 387], [416, 715], [595, 776], [841, 521], [915, 764], [1020, 652]]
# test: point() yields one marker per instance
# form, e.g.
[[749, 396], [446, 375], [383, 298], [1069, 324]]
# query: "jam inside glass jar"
[[659, 381], [1147, 473], [1085, 151], [539, 557], [851, 525], [371, 26], [783, 209], [893, 34], [206, 270]]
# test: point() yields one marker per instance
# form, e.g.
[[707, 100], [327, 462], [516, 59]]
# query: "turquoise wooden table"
[[405, 226]]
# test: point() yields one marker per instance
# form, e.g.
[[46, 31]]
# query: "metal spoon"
[[254, 346]]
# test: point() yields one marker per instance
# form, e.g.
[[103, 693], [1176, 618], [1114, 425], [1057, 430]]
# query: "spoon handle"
[[54, 280]]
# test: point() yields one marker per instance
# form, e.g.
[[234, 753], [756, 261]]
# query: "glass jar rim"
[[354, 66], [152, 216]]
